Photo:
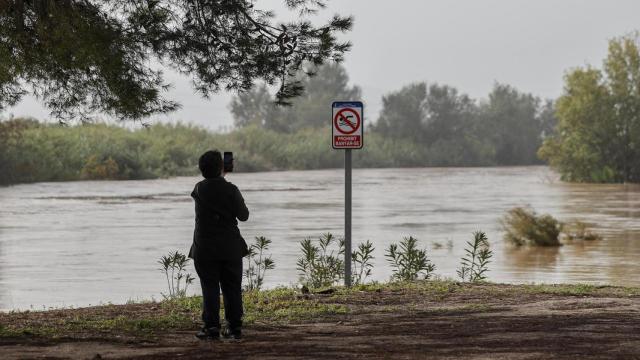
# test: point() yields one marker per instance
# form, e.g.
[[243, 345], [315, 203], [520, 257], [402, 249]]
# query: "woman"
[[218, 247]]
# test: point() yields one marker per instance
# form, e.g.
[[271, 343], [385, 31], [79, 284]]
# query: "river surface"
[[91, 242]]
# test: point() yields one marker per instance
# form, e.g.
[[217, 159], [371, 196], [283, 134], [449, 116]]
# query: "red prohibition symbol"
[[347, 121]]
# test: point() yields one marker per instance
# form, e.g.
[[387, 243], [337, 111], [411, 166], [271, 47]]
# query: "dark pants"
[[216, 274]]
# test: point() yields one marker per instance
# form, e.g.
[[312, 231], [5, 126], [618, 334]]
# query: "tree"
[[86, 56], [309, 110], [447, 113], [580, 140], [425, 114], [511, 121], [622, 68], [403, 112], [506, 129], [438, 118], [547, 118], [253, 107], [597, 138]]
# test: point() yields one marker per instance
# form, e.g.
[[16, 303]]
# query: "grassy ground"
[[399, 320]]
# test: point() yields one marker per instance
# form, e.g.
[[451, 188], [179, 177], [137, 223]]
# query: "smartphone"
[[228, 161]]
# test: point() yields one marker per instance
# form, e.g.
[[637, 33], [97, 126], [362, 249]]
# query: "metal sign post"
[[347, 217], [347, 133]]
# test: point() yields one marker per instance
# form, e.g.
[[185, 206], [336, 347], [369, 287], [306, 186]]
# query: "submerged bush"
[[523, 226], [409, 262], [580, 231]]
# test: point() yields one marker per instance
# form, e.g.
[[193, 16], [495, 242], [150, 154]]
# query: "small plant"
[[523, 226], [580, 231], [361, 260], [475, 263], [174, 267], [258, 263], [321, 265], [409, 262]]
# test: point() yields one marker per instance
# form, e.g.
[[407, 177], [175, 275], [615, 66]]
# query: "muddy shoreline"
[[437, 320]]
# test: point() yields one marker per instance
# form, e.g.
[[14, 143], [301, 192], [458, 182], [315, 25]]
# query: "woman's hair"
[[210, 164]]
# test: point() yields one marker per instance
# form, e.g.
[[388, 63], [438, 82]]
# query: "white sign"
[[347, 123]]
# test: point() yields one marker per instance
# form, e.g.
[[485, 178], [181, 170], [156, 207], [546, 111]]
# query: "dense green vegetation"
[[275, 138], [31, 151], [598, 134]]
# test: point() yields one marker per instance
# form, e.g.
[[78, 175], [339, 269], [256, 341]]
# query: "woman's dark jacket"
[[216, 236]]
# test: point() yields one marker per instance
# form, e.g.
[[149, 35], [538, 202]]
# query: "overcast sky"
[[469, 44]]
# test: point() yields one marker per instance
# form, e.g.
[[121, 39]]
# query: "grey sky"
[[469, 44]]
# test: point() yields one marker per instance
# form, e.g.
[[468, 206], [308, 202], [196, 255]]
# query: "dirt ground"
[[398, 325]]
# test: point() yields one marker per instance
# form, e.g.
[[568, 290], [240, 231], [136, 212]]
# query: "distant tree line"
[[419, 125], [596, 137], [444, 126]]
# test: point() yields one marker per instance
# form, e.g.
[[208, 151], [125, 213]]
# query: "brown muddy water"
[[81, 243]]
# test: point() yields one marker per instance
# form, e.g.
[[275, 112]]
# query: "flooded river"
[[80, 243]]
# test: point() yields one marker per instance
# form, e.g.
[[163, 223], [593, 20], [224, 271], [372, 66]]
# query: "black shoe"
[[231, 334], [212, 333]]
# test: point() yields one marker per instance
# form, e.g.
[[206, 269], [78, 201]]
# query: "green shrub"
[[31, 151], [257, 263], [409, 262], [174, 267], [522, 226], [475, 263], [361, 260], [321, 265]]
